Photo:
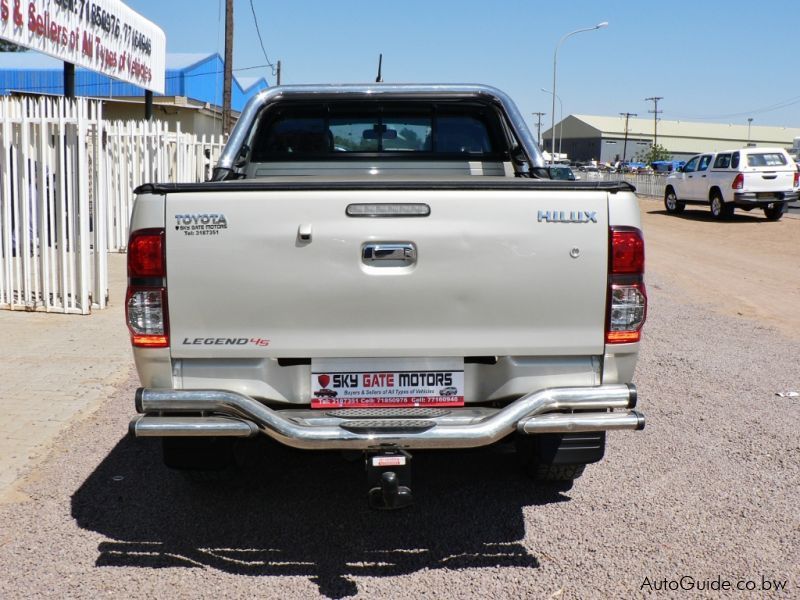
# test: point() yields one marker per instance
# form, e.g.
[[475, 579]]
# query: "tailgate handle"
[[389, 255], [769, 176]]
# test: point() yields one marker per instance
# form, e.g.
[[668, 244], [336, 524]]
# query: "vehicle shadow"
[[703, 214], [304, 513]]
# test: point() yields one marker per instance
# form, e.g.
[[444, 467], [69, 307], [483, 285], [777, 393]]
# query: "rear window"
[[723, 161], [337, 131], [766, 159]]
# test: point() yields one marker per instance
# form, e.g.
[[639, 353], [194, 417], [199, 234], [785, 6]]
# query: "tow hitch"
[[389, 479]]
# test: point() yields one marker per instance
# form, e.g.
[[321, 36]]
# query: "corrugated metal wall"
[[201, 81]]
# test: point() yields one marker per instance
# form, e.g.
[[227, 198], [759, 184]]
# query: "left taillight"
[[146, 300], [627, 296]]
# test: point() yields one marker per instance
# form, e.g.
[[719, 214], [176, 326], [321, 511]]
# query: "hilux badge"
[[573, 216]]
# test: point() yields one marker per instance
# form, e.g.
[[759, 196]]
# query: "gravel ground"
[[708, 490]]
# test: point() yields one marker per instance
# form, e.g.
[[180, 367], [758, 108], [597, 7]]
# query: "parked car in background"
[[591, 172], [747, 178], [667, 166], [632, 167], [562, 172]]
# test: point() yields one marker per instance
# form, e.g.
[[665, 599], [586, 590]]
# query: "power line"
[[260, 40], [782, 104]]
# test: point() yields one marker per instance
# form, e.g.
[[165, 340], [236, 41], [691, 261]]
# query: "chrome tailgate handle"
[[389, 254]]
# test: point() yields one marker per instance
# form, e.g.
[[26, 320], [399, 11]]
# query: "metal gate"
[[66, 193], [52, 231]]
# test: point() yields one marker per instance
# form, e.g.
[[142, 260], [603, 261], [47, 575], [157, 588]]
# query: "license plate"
[[389, 383], [765, 195]]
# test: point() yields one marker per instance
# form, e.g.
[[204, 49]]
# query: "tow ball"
[[389, 479]]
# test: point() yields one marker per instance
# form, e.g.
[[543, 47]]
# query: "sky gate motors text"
[[351, 380]]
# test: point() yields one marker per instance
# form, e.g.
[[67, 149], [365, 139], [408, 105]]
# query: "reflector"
[[146, 253], [627, 251]]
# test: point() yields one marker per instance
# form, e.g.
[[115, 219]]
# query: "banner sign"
[[101, 35], [387, 389], [387, 382]]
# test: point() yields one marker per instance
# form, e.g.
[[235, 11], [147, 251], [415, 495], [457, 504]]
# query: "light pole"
[[555, 62], [749, 121], [560, 127]]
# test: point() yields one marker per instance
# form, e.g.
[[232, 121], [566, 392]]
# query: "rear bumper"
[[169, 412], [745, 199]]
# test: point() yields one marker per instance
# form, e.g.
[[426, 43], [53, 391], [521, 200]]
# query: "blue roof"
[[197, 76]]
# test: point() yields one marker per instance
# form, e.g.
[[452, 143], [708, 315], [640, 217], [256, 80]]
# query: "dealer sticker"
[[386, 388]]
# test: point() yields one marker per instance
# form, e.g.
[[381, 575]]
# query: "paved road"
[[707, 491], [55, 368]]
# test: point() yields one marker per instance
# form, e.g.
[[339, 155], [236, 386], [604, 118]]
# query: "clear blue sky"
[[719, 62]]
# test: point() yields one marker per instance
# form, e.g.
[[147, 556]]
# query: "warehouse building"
[[589, 137]]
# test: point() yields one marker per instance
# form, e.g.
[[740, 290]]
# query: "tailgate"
[[490, 275], [768, 170], [769, 180]]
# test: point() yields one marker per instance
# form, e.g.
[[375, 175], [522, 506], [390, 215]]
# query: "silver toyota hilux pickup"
[[385, 268]]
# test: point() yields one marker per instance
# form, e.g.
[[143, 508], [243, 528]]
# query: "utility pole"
[[279, 72], [627, 116], [655, 113], [539, 127], [228, 77]]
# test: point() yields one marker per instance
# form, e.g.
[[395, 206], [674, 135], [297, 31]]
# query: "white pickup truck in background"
[[747, 178], [385, 268]]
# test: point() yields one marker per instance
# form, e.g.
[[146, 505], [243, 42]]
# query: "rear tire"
[[672, 204], [719, 208], [776, 212]]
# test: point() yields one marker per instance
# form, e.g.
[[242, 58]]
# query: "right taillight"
[[627, 297], [796, 179], [738, 181], [146, 300]]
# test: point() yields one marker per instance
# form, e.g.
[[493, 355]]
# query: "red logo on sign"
[[324, 380]]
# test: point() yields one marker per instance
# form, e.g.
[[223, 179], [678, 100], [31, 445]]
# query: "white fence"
[[646, 184], [147, 152], [66, 191]]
